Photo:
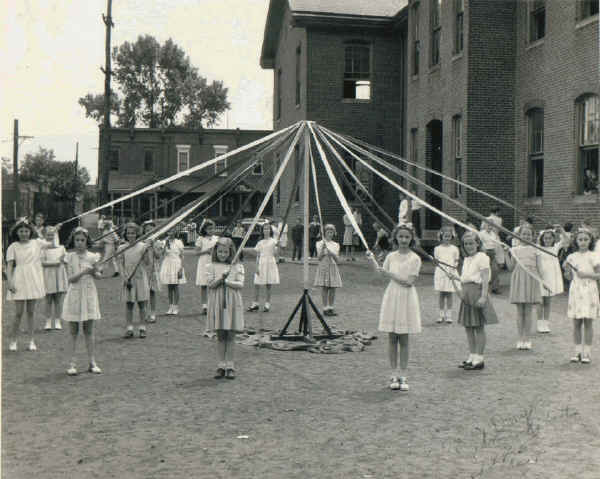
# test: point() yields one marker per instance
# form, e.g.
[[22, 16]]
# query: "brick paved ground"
[[156, 412]]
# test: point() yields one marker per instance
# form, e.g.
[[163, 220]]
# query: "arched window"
[[535, 152], [588, 123]]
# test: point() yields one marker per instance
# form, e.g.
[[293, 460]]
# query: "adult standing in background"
[[297, 237], [415, 213], [314, 231]]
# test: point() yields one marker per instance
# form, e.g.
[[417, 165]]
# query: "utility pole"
[[76, 173], [107, 103], [16, 169]]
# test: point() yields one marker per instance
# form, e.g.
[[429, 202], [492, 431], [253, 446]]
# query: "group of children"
[[41, 267]]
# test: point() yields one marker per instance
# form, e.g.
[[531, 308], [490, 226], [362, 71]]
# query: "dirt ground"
[[157, 412]]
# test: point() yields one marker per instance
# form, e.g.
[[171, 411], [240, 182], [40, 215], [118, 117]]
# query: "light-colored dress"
[[583, 292], [550, 271], [28, 275], [171, 263], [524, 288], [447, 254], [400, 310], [110, 244], [267, 271], [225, 306], [81, 301], [206, 245], [348, 230], [470, 315], [152, 266], [55, 277], [328, 273], [133, 263]]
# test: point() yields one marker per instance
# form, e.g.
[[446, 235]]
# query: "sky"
[[51, 52]]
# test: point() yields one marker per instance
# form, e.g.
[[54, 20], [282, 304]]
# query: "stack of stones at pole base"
[[343, 342]]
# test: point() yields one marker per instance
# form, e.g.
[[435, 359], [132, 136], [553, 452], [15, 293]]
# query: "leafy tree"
[[94, 106], [43, 168], [159, 87]]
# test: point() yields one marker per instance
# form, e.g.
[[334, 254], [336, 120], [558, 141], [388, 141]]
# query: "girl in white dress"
[[267, 272], [204, 248], [328, 274], [55, 279], [171, 271], [110, 241], [155, 251], [225, 306], [552, 241], [400, 311], [133, 264], [81, 301], [583, 268], [25, 276], [475, 310], [448, 254]]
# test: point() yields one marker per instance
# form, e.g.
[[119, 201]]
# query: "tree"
[[159, 88], [94, 106], [60, 176]]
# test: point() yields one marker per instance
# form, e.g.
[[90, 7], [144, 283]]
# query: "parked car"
[[257, 232]]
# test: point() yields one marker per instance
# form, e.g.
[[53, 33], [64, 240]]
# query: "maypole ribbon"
[[269, 193], [187, 172], [314, 179]]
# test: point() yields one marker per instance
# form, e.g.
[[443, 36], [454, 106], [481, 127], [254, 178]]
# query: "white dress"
[[267, 271], [55, 277], [550, 271], [205, 258], [583, 292], [81, 301], [447, 254], [28, 275], [171, 263], [400, 310]]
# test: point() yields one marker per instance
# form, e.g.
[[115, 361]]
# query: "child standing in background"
[[171, 270], [267, 272], [328, 274], [204, 248], [55, 279], [155, 250], [583, 268], [400, 311], [449, 255]]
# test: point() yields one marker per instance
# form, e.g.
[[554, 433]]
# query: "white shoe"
[[175, 310], [394, 383], [32, 346], [93, 368], [72, 371], [527, 345], [520, 345], [48, 326], [57, 324], [404, 385], [170, 310], [586, 359], [12, 346]]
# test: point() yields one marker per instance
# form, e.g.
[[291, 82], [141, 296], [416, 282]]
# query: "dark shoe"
[[230, 374], [253, 309], [142, 333], [474, 367], [116, 274], [204, 311], [464, 364], [326, 312], [129, 333], [332, 312], [220, 373]]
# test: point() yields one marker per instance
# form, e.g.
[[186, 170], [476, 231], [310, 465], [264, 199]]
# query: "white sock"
[[587, 350], [449, 314], [254, 303], [204, 306], [267, 305]]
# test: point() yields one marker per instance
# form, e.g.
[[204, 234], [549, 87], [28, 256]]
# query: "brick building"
[[502, 95], [142, 156]]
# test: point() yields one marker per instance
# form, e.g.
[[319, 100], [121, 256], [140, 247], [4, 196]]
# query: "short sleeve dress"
[[267, 271], [524, 288], [400, 310], [55, 277], [469, 314], [328, 273], [550, 270], [152, 266], [81, 301], [171, 263], [348, 230], [449, 255], [206, 244], [134, 265], [225, 306], [583, 292], [28, 274]]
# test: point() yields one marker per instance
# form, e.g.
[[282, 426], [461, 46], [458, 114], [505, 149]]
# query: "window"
[[436, 31], [148, 160], [416, 41], [183, 157], [586, 8], [457, 144], [459, 13], [258, 168], [588, 122], [114, 159], [537, 20], [298, 52], [357, 71], [535, 122], [279, 89], [229, 206], [221, 164]]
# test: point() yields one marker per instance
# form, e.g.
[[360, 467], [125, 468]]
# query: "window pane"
[[536, 131], [536, 177], [589, 170], [114, 159], [417, 47], [591, 121], [537, 20], [458, 177], [148, 160]]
